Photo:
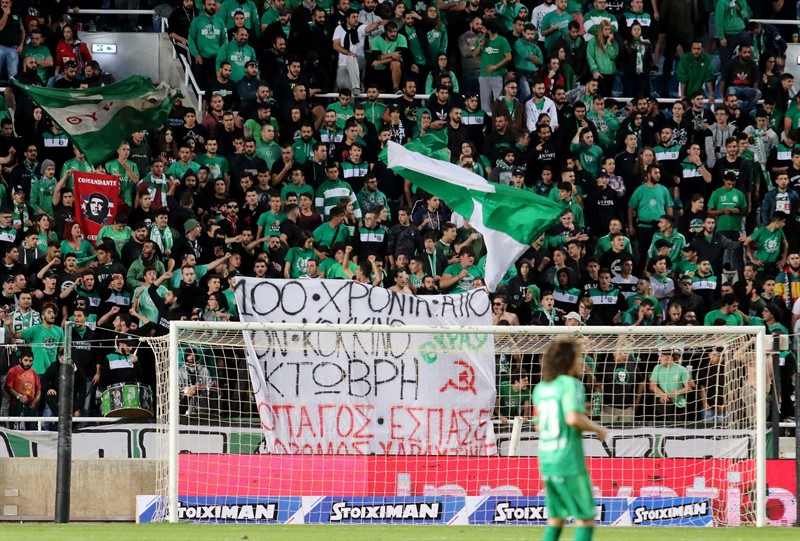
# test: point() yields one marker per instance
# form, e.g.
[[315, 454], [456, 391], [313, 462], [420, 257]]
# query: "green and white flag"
[[97, 120], [510, 219]]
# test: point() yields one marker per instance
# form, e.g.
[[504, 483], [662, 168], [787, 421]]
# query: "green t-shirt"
[[271, 223], [342, 113], [336, 272], [465, 283], [560, 445], [84, 254], [44, 344], [146, 305], [512, 402], [670, 379], [384, 46], [730, 319], [80, 166], [177, 169], [728, 199], [120, 238], [39, 53], [560, 21], [298, 259], [650, 203], [494, 51], [217, 165], [768, 244], [126, 185], [326, 235], [305, 188]]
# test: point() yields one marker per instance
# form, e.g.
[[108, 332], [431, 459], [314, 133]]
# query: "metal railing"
[[40, 420]]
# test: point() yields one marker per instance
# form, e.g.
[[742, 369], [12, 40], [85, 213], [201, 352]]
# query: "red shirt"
[[78, 52], [24, 382]]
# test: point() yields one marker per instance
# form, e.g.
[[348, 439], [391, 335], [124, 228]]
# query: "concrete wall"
[[103, 489]]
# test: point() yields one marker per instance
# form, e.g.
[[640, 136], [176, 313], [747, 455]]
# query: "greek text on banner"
[[362, 393]]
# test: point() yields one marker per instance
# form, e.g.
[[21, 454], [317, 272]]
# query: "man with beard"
[[403, 237], [179, 22], [148, 258], [207, 35], [543, 154], [223, 86], [19, 101], [538, 105], [132, 249], [47, 339]]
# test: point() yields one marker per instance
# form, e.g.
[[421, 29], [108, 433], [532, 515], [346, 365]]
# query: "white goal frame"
[[174, 392]]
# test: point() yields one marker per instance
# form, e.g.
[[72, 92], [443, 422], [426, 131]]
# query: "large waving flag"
[[97, 120], [510, 219]]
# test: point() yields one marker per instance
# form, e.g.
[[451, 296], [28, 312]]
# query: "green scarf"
[[162, 238]]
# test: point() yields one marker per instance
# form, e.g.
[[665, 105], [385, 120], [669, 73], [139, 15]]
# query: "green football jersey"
[[560, 445]]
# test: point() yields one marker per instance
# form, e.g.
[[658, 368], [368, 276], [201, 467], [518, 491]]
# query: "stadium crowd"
[[683, 213]]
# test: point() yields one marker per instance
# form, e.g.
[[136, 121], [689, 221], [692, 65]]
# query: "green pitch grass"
[[204, 532]]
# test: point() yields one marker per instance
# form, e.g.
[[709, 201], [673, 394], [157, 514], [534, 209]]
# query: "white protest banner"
[[360, 393]]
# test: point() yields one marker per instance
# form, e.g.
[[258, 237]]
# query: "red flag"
[[96, 202]]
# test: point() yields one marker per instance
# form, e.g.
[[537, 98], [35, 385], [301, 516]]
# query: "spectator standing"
[[46, 339], [729, 206], [670, 383], [207, 35], [602, 55], [648, 203], [495, 54], [731, 17], [24, 387]]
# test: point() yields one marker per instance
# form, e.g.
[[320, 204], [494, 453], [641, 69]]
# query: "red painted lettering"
[[305, 422]]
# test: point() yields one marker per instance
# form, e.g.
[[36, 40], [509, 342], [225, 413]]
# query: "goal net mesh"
[[295, 413]]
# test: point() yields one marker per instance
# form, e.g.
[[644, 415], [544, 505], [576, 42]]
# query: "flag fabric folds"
[[97, 120], [510, 219]]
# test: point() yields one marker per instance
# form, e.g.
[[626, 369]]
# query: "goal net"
[[420, 415]]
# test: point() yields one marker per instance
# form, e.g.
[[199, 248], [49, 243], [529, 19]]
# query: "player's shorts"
[[570, 496]]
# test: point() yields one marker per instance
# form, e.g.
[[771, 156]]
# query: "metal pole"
[[64, 463], [173, 415], [761, 422]]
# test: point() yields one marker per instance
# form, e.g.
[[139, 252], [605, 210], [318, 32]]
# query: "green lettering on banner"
[[451, 343]]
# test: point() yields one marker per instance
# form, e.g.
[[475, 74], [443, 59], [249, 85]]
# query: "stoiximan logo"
[[254, 511], [401, 511]]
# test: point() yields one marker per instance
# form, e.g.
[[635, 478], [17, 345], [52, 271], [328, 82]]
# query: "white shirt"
[[357, 48], [538, 14], [796, 312], [532, 112]]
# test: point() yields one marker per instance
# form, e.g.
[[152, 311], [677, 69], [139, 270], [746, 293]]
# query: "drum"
[[127, 400]]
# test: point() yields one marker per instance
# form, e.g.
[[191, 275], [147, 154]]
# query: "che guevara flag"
[[97, 120], [96, 202]]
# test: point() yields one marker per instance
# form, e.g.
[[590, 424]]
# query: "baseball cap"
[[17, 188], [9, 279], [251, 62], [602, 173], [518, 172], [70, 64], [573, 315], [665, 351], [689, 248], [677, 351]]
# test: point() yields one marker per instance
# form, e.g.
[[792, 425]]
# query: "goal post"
[[246, 347]]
